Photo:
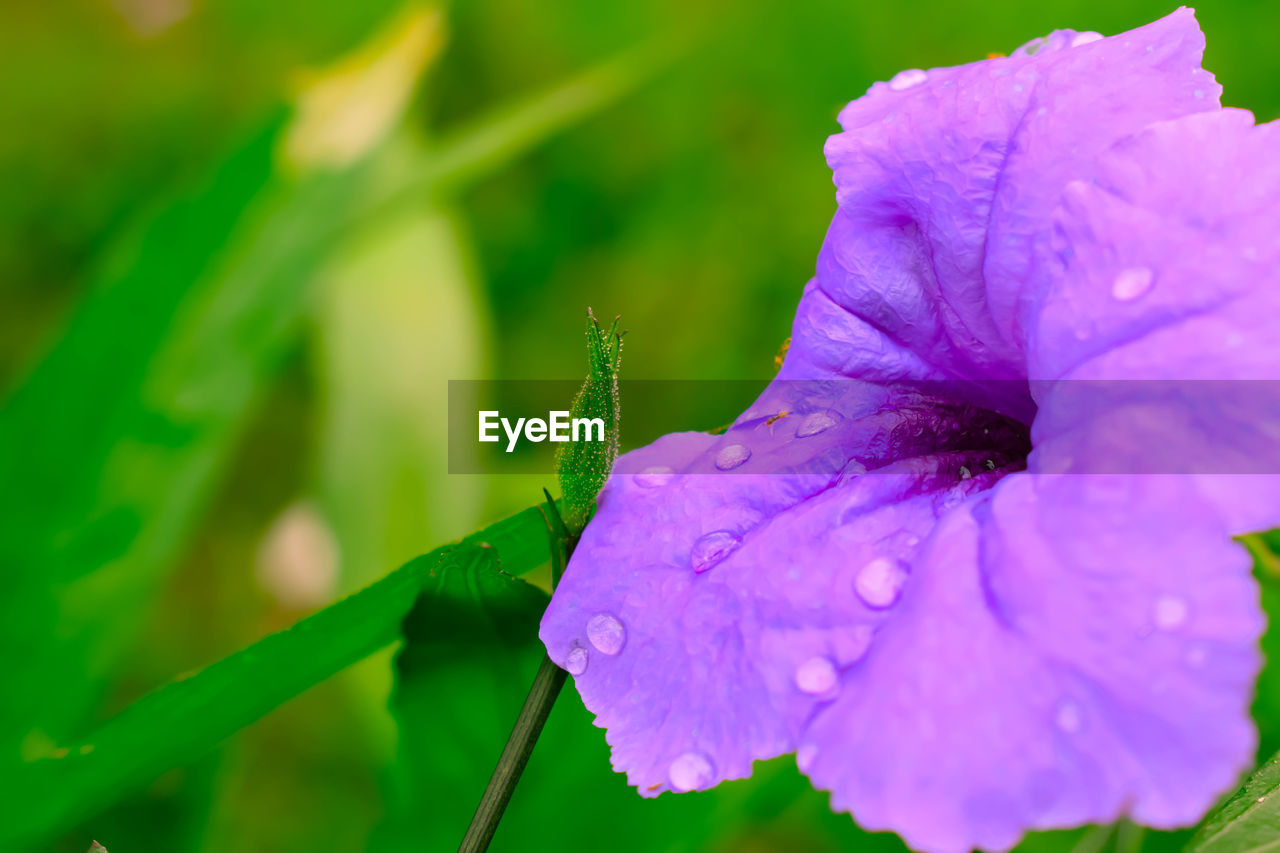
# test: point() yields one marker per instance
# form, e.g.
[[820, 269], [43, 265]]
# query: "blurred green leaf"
[[121, 434], [184, 719], [398, 305], [398, 310], [489, 143], [1248, 822], [118, 434]]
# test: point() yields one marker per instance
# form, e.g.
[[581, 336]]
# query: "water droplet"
[[1131, 283], [1170, 612], [575, 663], [965, 473], [908, 79], [814, 424], [1068, 717], [1085, 38], [691, 771], [732, 456], [606, 633], [879, 583], [816, 676], [713, 547], [805, 756], [1199, 93], [650, 478]]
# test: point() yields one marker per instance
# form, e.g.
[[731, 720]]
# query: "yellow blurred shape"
[[345, 110]]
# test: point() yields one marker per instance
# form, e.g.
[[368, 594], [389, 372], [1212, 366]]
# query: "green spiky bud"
[[583, 466]]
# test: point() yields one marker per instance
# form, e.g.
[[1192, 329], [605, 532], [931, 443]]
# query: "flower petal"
[[726, 580], [946, 188], [1155, 343], [1072, 649]]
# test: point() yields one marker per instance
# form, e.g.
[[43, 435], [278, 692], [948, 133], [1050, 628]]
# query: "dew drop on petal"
[[879, 583], [691, 771], [814, 424], [1068, 717], [908, 79], [650, 478], [816, 676], [1131, 283], [713, 547], [606, 633], [1170, 612], [732, 456], [1085, 38], [575, 663]]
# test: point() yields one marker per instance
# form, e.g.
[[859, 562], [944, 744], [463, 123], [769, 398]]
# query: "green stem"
[[542, 696], [533, 716]]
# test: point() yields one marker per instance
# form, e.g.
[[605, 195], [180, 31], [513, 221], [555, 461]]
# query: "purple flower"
[[926, 579]]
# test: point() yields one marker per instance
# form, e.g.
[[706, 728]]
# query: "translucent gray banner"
[[1061, 427]]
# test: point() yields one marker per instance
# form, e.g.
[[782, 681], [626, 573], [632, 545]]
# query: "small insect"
[[773, 419]]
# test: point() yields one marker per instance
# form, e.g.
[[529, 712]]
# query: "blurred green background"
[[243, 246]]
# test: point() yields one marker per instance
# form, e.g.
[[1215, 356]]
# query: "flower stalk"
[[582, 468]]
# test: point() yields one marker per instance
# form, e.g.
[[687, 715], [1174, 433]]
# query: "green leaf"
[[485, 145], [397, 303], [471, 647], [179, 722], [1249, 822], [122, 429], [120, 436]]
